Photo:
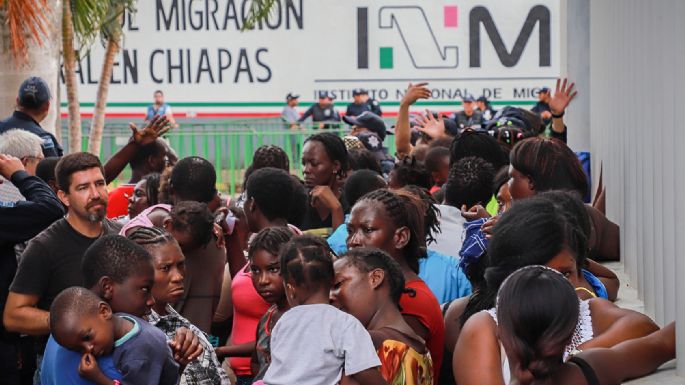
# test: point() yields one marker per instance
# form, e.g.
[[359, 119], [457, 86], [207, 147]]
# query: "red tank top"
[[248, 308]]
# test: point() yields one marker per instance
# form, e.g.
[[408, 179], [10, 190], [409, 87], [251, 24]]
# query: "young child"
[[314, 343], [81, 321], [266, 278]]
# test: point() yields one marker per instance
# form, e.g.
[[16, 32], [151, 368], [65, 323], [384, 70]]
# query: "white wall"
[[637, 54]]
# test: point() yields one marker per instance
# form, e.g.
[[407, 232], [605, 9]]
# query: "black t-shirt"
[[21, 120], [52, 261], [312, 220]]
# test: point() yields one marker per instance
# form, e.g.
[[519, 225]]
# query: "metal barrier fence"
[[229, 145]]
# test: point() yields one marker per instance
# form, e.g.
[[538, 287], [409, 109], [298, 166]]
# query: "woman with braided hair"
[[169, 266], [398, 223], [368, 285]]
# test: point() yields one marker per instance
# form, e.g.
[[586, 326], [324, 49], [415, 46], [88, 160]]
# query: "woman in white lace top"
[[535, 232]]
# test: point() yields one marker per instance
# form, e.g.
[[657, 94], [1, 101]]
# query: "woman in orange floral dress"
[[368, 285]]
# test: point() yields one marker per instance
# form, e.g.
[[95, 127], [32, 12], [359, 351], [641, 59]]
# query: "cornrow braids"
[[308, 261], [270, 239], [270, 156], [404, 213], [152, 188], [426, 203], [335, 149], [368, 259], [150, 236]]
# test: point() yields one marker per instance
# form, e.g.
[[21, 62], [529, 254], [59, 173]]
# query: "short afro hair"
[[270, 188], [112, 256], [411, 172], [193, 179], [469, 183], [360, 183], [74, 301], [434, 156], [73, 163], [154, 149]]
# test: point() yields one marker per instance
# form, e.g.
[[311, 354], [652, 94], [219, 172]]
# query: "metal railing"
[[229, 145]]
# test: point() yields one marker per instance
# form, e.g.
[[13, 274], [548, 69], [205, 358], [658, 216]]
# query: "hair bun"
[[542, 368]]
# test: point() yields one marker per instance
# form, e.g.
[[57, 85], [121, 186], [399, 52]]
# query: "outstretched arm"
[[158, 126], [563, 94], [402, 129], [634, 358]]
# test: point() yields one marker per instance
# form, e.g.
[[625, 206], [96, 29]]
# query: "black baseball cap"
[[544, 90], [482, 99], [468, 99], [290, 96], [370, 121], [357, 92], [34, 92]]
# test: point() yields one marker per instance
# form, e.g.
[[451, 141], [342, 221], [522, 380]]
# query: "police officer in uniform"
[[33, 104], [359, 105], [374, 106], [323, 111]]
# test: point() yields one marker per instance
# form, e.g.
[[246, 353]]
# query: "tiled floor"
[[627, 298]]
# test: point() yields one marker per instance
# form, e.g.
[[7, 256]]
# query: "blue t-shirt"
[[60, 366], [143, 355], [151, 112], [441, 273], [597, 285]]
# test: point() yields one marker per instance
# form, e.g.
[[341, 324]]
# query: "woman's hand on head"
[[185, 346]]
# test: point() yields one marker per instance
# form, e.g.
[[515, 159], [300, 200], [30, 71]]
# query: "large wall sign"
[[194, 51]]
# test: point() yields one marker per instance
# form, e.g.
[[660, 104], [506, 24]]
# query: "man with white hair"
[[25, 146]]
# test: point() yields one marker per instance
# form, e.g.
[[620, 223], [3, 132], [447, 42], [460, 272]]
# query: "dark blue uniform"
[[25, 122], [354, 109]]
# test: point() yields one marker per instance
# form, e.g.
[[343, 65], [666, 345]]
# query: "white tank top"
[[581, 335]]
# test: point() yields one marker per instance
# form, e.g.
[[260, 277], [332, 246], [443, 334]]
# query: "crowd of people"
[[468, 257]]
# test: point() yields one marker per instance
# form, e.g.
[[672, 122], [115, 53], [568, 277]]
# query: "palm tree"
[[111, 33]]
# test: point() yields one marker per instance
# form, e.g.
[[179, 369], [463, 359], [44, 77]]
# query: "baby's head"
[[121, 273], [82, 322], [307, 270]]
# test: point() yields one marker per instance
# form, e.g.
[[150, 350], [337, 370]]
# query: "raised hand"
[[416, 92], [156, 127], [435, 128], [562, 96]]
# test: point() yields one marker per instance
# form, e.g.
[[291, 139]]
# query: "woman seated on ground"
[[534, 232], [324, 165], [368, 285], [535, 353], [542, 164], [169, 263]]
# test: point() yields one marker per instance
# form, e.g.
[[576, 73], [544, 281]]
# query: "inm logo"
[[416, 32]]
